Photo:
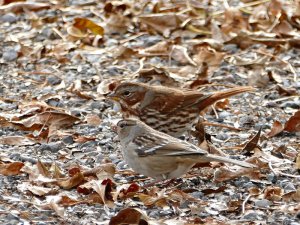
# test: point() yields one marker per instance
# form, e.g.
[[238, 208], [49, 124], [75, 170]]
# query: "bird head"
[[128, 92], [128, 129]]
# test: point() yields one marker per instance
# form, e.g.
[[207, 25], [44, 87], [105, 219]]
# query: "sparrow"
[[159, 155], [169, 110]]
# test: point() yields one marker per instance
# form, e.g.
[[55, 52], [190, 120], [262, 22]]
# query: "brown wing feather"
[[167, 100]]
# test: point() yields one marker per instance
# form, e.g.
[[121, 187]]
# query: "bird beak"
[[114, 128], [112, 96]]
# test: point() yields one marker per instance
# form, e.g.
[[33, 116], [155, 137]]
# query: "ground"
[[60, 160]]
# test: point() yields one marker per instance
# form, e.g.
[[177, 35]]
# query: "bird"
[[169, 110], [158, 155]]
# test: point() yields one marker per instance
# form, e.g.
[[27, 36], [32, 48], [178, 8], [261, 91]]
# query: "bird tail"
[[222, 159], [211, 99]]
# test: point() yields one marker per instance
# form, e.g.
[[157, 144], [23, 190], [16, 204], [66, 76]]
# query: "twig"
[[141, 66], [282, 60], [244, 203], [215, 111], [220, 125], [284, 98], [241, 7], [281, 173]]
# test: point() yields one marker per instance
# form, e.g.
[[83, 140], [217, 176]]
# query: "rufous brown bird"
[[169, 110], [159, 155]]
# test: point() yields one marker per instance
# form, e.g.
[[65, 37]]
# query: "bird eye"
[[122, 125], [126, 93]]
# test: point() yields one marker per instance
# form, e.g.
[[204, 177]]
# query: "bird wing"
[[155, 144], [169, 103]]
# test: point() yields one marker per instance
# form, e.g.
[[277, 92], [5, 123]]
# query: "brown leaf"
[[223, 174], [84, 24], [102, 171], [286, 91], [160, 200], [164, 23], [42, 168], [36, 190], [213, 191], [16, 140], [128, 216], [10, 169], [126, 191], [67, 201], [292, 196], [69, 183], [234, 22], [161, 48], [252, 144], [293, 124], [208, 55], [60, 211], [297, 164], [273, 193], [102, 188], [277, 128], [93, 120], [156, 75], [53, 120], [18, 7]]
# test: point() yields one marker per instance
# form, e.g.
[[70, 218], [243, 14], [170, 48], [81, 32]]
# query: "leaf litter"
[[60, 160]]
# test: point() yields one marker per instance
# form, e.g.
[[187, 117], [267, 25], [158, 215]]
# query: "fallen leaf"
[[84, 24], [273, 193], [252, 144], [10, 169], [16, 140], [277, 128], [293, 124], [67, 201], [18, 7], [74, 181], [60, 211], [213, 191], [36, 190], [128, 216], [164, 23], [102, 188], [292, 196], [93, 120], [126, 191]]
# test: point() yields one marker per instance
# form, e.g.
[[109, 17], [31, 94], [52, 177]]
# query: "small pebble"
[[252, 216], [224, 115], [52, 147], [264, 203], [68, 140], [10, 55], [9, 17]]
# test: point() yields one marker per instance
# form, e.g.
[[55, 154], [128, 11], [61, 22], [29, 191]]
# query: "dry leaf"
[[16, 140], [18, 7], [84, 24], [164, 23], [36, 190], [93, 119], [74, 181], [293, 124], [10, 169], [273, 193], [128, 216], [67, 201], [277, 128]]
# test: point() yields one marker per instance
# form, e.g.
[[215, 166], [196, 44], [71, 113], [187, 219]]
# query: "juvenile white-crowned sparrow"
[[170, 110], [159, 155]]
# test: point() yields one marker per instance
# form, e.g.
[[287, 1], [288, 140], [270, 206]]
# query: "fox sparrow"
[[168, 110]]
